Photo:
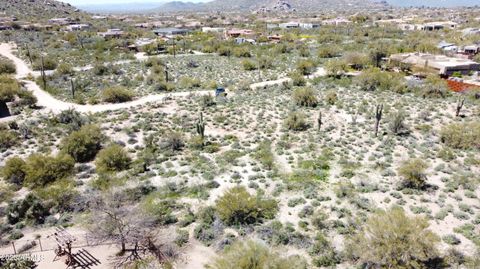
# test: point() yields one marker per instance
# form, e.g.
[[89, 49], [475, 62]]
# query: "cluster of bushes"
[[37, 170], [31, 209], [237, 206], [461, 135], [255, 254], [48, 64], [374, 79], [84, 144], [116, 95]]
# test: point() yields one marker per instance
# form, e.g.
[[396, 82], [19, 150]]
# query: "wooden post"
[[40, 244], [14, 250]]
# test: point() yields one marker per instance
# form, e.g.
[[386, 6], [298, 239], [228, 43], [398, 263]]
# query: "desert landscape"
[[225, 135]]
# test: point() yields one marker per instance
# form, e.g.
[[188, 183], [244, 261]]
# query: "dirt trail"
[[54, 105]]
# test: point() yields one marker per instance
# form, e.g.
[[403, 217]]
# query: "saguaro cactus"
[[319, 120], [72, 87], [201, 126], [459, 106], [378, 117], [42, 72]]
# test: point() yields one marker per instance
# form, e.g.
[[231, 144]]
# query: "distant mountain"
[[119, 7], [252, 5], [36, 9], [180, 6]]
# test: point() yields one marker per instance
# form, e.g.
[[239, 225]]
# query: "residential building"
[[440, 64], [77, 27], [170, 31], [112, 33]]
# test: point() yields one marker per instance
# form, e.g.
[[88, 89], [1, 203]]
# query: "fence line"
[[45, 244]]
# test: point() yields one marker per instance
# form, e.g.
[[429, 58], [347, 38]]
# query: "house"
[[77, 27], [239, 32], [289, 25], [170, 31], [471, 50], [309, 25], [336, 22], [213, 29], [96, 17], [447, 47], [241, 40], [470, 31], [60, 21], [435, 26], [111, 33], [141, 43], [443, 65]]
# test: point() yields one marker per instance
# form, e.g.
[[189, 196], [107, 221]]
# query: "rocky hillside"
[[283, 5], [36, 9]]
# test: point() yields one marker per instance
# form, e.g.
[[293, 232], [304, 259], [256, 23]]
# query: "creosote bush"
[[413, 173], [117, 95], [41, 170], [391, 239], [83, 144], [296, 121], [461, 135], [305, 97], [14, 171], [254, 254], [237, 206], [112, 159], [7, 67]]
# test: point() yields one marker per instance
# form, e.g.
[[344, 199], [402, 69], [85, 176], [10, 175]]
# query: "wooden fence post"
[[14, 250], [40, 244]]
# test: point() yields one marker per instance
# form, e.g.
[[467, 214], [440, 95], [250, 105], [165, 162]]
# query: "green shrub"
[[298, 79], [461, 135], [413, 173], [116, 95], [112, 158], [374, 79], [391, 239], [264, 155], [14, 171], [9, 88], [8, 139], [305, 97], [296, 121], [249, 65], [41, 169], [396, 123], [242, 52], [254, 254], [48, 64], [30, 209], [305, 67], [83, 144], [331, 98], [237, 206], [7, 66]]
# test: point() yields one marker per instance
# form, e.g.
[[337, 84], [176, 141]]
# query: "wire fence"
[[25, 246]]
